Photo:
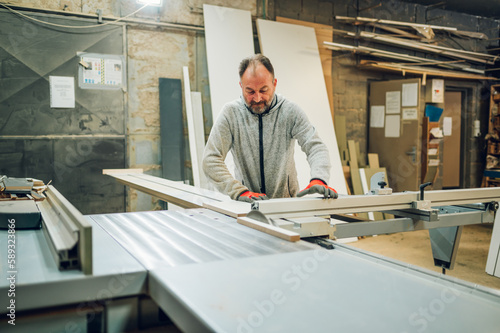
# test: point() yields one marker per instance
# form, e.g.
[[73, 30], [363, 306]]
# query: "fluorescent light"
[[156, 3]]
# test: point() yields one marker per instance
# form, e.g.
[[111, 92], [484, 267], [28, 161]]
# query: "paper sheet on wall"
[[62, 91], [447, 125], [392, 126], [410, 114], [113, 71], [410, 94], [392, 102], [437, 91], [377, 113]]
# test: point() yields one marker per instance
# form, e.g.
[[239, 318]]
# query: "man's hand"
[[318, 186], [248, 196]]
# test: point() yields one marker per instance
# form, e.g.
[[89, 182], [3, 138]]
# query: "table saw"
[[207, 272]]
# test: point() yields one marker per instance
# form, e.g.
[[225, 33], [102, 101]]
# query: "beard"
[[259, 108]]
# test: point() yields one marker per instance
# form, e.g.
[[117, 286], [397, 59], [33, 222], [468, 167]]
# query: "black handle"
[[424, 185]]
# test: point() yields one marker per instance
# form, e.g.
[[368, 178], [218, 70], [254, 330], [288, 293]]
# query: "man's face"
[[258, 86]]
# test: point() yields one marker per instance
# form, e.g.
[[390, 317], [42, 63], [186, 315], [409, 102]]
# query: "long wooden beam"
[[399, 56], [448, 52], [424, 71], [407, 24]]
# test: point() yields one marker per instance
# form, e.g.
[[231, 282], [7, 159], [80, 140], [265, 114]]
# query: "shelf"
[[491, 177]]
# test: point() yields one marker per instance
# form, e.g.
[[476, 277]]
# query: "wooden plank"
[[400, 23], [340, 132], [353, 163], [193, 135], [400, 32], [182, 195], [269, 229], [424, 71], [361, 159], [366, 189], [449, 52], [294, 53], [230, 208], [401, 56], [373, 160], [121, 171]]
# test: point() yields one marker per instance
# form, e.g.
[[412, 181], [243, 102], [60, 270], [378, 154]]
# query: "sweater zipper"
[[261, 154]]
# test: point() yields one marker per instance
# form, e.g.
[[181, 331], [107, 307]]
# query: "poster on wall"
[[101, 71], [392, 102], [62, 91], [410, 94], [377, 113], [92, 72]]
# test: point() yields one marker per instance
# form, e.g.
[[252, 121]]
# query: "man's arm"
[[311, 144], [317, 156], [218, 145]]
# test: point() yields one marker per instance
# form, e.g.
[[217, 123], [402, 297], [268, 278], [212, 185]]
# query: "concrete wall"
[[156, 51]]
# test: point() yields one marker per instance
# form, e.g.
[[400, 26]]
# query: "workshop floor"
[[415, 248]]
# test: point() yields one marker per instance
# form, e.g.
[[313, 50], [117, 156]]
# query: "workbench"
[[209, 273]]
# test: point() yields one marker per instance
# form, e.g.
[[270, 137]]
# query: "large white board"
[[229, 39], [294, 53]]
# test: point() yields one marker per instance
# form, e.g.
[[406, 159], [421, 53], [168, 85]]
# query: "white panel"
[[229, 39], [493, 261], [195, 166], [293, 51], [199, 130]]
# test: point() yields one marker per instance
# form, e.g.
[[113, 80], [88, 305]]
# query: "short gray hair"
[[254, 60]]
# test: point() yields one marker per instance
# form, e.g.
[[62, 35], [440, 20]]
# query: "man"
[[260, 129]]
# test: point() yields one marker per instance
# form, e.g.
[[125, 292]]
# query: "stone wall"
[[155, 51]]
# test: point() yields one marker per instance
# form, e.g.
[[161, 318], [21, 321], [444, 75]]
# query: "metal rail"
[[303, 207], [368, 228]]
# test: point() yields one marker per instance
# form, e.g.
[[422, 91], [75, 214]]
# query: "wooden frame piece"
[[269, 229], [449, 52], [231, 208], [423, 71], [357, 20], [400, 56]]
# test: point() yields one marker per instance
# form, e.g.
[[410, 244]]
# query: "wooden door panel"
[[399, 154], [451, 143]]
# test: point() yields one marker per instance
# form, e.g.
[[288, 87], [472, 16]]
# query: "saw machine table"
[[209, 273]]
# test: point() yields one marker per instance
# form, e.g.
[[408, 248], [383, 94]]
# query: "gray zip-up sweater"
[[263, 149]]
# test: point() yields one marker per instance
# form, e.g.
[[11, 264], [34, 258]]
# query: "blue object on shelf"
[[433, 112], [495, 173]]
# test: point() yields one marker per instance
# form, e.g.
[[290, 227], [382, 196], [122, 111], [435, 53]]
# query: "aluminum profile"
[[68, 233]]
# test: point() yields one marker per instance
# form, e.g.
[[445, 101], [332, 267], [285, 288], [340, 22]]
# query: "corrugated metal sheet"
[[171, 238]]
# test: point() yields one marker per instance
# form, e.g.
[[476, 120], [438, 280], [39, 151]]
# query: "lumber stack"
[[21, 189], [412, 38]]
